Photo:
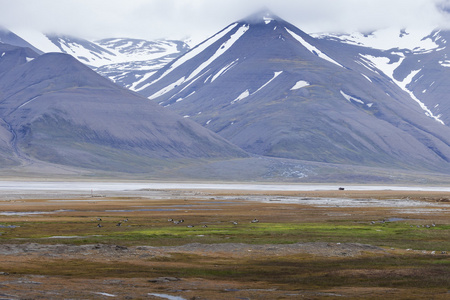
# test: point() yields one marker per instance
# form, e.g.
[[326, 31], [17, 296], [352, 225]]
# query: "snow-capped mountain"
[[415, 60], [102, 52], [83, 50], [416, 40], [136, 49], [274, 90], [124, 61], [143, 59]]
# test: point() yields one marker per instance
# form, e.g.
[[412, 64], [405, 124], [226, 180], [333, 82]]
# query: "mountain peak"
[[263, 15]]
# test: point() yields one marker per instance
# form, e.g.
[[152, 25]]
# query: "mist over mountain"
[[10, 38]]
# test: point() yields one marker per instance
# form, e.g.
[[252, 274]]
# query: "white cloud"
[[180, 18]]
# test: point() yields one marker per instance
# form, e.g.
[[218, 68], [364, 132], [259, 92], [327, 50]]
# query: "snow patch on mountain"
[[275, 75], [222, 49], [242, 96], [312, 49], [384, 65], [367, 77], [37, 39], [351, 98], [403, 85], [84, 54], [167, 88], [32, 99], [131, 50], [195, 51], [187, 86], [181, 99], [300, 84], [445, 63], [224, 70], [142, 79], [267, 20], [247, 93], [195, 74], [415, 39]]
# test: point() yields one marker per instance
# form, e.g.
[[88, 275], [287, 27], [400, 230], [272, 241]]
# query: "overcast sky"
[[152, 19]]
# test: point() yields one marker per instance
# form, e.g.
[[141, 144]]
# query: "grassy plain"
[[53, 247]]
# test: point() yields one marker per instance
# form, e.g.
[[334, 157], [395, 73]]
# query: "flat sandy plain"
[[67, 241]]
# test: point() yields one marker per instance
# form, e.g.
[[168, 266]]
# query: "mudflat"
[[224, 244]]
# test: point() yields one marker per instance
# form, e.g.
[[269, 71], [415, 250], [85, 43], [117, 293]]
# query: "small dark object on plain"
[[341, 188]]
